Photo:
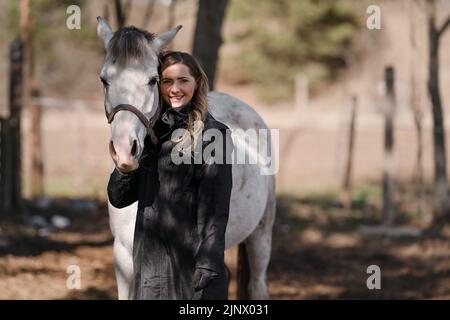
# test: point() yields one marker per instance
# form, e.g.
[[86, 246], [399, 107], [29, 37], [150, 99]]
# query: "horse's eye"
[[153, 81], [103, 80]]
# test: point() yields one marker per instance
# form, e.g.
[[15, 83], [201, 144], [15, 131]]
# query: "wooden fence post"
[[388, 177], [346, 198], [37, 188], [5, 166]]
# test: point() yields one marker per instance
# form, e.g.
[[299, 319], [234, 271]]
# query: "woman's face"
[[177, 85]]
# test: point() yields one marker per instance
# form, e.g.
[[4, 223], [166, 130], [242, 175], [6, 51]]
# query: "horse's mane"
[[129, 43]]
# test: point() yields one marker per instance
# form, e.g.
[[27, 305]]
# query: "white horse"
[[130, 80]]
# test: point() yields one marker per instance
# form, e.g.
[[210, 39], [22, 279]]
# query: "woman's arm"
[[213, 199], [123, 188]]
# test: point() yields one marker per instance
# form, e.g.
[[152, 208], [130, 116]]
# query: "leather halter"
[[148, 123]]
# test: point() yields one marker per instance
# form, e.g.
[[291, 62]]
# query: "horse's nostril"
[[125, 167], [134, 148]]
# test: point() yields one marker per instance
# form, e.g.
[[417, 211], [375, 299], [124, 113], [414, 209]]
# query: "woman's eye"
[[152, 81], [103, 80]]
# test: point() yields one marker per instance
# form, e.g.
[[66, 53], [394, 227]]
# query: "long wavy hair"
[[197, 114]]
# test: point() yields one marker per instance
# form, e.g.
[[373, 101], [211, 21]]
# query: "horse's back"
[[251, 188], [234, 112]]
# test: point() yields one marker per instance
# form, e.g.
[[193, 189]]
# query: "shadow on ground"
[[318, 253], [327, 257]]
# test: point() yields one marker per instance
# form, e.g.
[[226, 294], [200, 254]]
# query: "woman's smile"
[[176, 99], [177, 85]]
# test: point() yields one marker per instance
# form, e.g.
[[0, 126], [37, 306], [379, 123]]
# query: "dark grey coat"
[[183, 210]]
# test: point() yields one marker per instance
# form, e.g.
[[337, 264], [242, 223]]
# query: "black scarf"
[[176, 117]]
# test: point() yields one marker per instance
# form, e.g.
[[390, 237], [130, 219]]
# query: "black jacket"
[[182, 216]]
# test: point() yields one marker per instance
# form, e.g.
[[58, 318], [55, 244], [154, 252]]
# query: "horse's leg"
[[123, 261], [259, 245], [122, 223]]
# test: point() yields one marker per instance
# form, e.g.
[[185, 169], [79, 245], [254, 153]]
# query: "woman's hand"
[[202, 277]]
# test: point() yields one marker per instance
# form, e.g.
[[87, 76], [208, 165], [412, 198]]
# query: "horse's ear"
[[104, 31], [164, 38]]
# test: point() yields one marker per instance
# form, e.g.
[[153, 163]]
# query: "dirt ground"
[[318, 253]]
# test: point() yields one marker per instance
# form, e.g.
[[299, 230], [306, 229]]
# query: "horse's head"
[[130, 79]]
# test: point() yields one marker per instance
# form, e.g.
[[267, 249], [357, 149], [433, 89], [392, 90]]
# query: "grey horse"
[[252, 206]]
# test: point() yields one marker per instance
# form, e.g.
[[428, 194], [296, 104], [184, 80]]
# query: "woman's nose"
[[175, 88]]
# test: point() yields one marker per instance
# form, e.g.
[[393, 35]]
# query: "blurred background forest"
[[363, 115]]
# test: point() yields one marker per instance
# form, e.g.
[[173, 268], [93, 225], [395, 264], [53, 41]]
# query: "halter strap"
[[128, 107], [148, 123]]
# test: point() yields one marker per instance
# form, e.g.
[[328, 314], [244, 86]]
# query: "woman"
[[183, 209]]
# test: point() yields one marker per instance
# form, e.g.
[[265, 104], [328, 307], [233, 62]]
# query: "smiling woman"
[[184, 84], [177, 85]]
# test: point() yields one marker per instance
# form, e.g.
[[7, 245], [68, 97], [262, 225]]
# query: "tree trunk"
[[106, 11], [388, 178], [122, 12], [15, 104], [171, 21], [418, 175], [440, 162], [208, 35], [30, 93], [148, 13]]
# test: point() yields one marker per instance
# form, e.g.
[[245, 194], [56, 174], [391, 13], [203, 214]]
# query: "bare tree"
[[14, 197], [122, 12], [171, 19], [441, 210], [415, 96], [31, 92], [416, 106], [106, 11], [208, 35], [149, 9]]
